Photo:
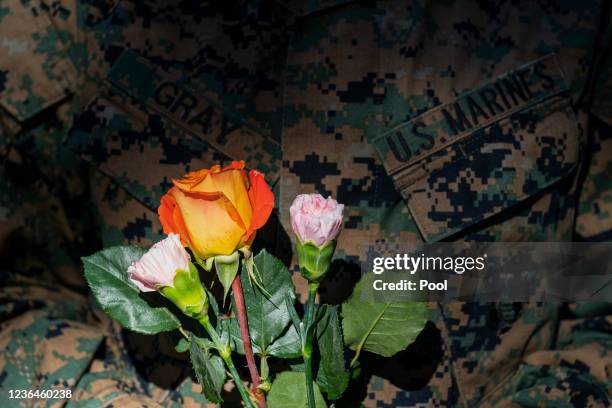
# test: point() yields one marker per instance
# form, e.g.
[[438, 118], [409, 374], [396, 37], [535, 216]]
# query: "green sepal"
[[206, 264], [187, 292], [227, 269], [314, 261]]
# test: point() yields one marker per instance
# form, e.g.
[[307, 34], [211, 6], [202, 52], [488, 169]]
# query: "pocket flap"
[[35, 69], [484, 152]]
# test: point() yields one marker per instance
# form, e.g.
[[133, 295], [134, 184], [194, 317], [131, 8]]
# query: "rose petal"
[[214, 226], [261, 199]]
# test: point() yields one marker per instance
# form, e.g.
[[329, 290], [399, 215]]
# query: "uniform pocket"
[[35, 69], [145, 127], [488, 150]]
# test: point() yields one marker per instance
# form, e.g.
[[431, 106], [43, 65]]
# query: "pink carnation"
[[157, 267], [316, 219]]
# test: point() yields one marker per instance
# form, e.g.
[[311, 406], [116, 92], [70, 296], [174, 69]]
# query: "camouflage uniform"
[[449, 120]]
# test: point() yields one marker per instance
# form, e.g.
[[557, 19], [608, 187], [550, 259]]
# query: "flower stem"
[[226, 354], [307, 342], [246, 340]]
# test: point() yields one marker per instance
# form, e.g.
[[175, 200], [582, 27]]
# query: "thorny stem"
[[246, 341], [226, 354], [307, 342]]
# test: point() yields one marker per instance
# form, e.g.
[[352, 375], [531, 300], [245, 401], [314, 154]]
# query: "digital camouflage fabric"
[[441, 120]]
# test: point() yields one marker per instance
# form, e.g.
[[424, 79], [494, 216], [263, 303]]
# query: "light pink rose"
[[316, 219], [157, 267]]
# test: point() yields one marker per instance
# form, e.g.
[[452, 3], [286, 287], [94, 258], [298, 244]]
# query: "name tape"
[[437, 128]]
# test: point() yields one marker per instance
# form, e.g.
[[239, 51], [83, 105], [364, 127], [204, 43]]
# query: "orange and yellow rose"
[[217, 211]]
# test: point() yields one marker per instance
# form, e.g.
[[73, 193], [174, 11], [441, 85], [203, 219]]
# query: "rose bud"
[[217, 211], [316, 222], [166, 268]]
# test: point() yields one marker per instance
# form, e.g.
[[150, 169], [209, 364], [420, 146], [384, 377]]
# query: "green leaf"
[[214, 313], [204, 343], [228, 330], [329, 336], [182, 345], [295, 320], [209, 370], [214, 306], [383, 328], [106, 273], [267, 312], [289, 391], [288, 345]]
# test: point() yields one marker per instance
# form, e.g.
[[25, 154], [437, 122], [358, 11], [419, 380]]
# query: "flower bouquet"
[[211, 217]]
